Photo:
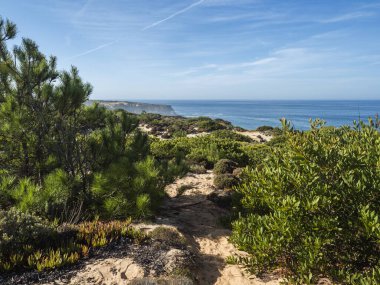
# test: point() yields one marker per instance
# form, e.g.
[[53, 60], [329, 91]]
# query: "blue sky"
[[211, 49]]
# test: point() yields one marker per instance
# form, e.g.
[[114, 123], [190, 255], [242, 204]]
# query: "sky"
[[210, 49]]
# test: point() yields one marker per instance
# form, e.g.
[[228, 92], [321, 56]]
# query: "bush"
[[171, 236], [264, 128], [313, 207], [127, 189], [231, 135], [18, 229], [224, 166], [198, 169], [256, 153], [225, 181]]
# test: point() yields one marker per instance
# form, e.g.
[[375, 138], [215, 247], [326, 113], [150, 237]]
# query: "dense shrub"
[[256, 153], [18, 229], [127, 189], [224, 166], [231, 135], [269, 130], [225, 181], [177, 126], [313, 206], [198, 169], [264, 128], [167, 235]]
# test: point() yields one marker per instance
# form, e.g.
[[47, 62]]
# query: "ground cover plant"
[[29, 242], [312, 207]]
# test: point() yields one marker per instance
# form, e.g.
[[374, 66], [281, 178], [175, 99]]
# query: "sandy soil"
[[199, 220], [108, 272], [256, 136]]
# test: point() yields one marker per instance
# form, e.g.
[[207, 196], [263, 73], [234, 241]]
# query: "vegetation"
[[225, 181], [170, 236], [62, 160], [203, 150], [28, 242], [312, 208], [72, 177], [62, 163], [172, 127], [224, 166]]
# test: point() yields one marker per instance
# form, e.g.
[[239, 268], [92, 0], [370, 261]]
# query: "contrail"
[[93, 50], [174, 15]]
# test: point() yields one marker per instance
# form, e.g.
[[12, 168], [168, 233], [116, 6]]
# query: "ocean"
[[252, 114]]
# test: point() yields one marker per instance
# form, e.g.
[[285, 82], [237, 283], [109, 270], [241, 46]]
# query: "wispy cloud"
[[226, 67], [348, 17], [84, 8], [93, 49], [184, 10]]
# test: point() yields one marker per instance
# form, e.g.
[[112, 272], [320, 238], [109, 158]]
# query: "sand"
[[199, 220]]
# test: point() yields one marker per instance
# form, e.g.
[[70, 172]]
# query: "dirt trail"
[[199, 220]]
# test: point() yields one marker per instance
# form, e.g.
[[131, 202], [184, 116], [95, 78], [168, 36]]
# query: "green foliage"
[[224, 166], [198, 169], [56, 193], [206, 150], [313, 206], [231, 135], [167, 235], [126, 189], [18, 229], [256, 153], [61, 159], [175, 127], [225, 181], [27, 196]]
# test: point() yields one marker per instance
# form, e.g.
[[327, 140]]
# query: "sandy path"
[[199, 219]]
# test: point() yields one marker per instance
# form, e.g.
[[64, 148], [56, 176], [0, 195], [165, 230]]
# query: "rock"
[[223, 198], [175, 259], [324, 281]]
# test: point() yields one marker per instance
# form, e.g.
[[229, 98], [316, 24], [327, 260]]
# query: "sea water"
[[252, 114]]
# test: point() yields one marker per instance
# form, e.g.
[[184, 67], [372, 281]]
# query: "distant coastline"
[[136, 107], [252, 114]]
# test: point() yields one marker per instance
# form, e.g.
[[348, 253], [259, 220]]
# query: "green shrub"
[[56, 193], [256, 153], [264, 128], [231, 135], [167, 235], [224, 166], [225, 181], [7, 183], [127, 189], [198, 169], [313, 207], [18, 229], [27, 196]]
